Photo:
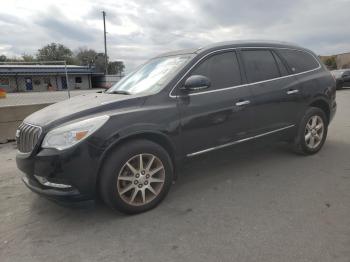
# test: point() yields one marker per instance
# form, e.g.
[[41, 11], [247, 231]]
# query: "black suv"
[[124, 144]]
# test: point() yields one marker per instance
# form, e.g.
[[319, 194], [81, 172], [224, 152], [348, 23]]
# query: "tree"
[[86, 56], [90, 57], [55, 52], [116, 68], [28, 58], [3, 58], [100, 63], [331, 62]]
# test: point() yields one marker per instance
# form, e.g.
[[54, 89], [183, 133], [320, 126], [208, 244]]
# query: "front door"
[[219, 115]]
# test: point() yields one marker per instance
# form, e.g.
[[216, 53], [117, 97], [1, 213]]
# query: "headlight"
[[68, 135]]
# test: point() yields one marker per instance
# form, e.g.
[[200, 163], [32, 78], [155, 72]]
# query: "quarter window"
[[260, 65], [299, 61], [222, 70]]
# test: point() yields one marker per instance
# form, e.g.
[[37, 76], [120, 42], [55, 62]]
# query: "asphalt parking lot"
[[252, 203]]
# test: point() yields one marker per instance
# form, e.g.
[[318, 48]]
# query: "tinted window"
[[260, 65], [298, 61], [222, 70], [281, 66]]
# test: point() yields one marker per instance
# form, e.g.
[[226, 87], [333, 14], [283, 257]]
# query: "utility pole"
[[104, 30]]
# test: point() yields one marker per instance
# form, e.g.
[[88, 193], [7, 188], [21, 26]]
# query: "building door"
[[64, 82], [29, 84]]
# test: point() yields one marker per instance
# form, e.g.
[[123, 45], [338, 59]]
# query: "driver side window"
[[221, 69]]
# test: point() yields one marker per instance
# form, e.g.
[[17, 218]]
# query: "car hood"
[[81, 106]]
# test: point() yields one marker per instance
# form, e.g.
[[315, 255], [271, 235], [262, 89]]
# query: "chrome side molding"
[[290, 92], [238, 141], [243, 103]]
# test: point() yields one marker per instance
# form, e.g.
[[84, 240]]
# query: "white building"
[[22, 78]]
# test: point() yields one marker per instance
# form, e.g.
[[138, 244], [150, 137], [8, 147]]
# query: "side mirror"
[[196, 82]]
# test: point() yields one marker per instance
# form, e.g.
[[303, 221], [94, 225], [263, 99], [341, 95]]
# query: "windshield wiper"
[[119, 92]]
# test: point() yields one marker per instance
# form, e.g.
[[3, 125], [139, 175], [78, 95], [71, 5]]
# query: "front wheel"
[[312, 132], [136, 176]]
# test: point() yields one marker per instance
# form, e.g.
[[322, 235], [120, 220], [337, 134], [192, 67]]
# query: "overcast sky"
[[140, 29]]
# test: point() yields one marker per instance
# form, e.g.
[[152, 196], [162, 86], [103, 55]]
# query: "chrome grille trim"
[[27, 137]]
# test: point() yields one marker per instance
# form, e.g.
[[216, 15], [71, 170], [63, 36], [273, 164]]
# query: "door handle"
[[293, 91], [243, 103]]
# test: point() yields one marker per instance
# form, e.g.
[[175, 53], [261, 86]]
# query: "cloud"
[[8, 19], [56, 25], [138, 30]]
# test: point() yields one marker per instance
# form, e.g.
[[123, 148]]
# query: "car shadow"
[[344, 88], [212, 163], [202, 173]]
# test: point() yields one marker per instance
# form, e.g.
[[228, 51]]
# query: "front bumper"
[[59, 195], [76, 167]]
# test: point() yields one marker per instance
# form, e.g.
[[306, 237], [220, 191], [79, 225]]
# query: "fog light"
[[45, 182]]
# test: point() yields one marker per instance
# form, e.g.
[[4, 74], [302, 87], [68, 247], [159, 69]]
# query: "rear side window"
[[299, 61], [260, 65], [222, 70]]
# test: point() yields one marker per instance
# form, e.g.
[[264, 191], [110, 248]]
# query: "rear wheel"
[[312, 132], [136, 176]]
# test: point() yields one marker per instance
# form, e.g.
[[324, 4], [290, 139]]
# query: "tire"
[[309, 131], [130, 188]]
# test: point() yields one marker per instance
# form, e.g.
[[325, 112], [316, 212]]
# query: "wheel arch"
[[156, 137], [323, 105]]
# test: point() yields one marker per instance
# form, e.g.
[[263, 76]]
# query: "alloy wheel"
[[314, 131], [141, 179]]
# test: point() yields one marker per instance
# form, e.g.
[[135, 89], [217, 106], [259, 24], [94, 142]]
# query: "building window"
[[4, 82], [47, 80], [78, 80]]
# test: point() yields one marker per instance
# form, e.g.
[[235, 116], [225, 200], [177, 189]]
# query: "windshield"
[[152, 76]]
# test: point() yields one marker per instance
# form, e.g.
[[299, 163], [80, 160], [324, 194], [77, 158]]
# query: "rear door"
[[276, 95], [218, 115]]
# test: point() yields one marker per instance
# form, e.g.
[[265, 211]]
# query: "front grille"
[[27, 137]]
